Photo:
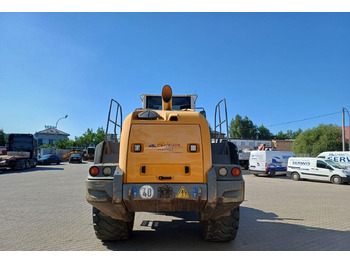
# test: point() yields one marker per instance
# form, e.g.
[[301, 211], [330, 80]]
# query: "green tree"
[[90, 138], [46, 146], [100, 135], [281, 136], [288, 135], [317, 140], [65, 143], [242, 128], [264, 133], [2, 138], [249, 130], [235, 127], [78, 141], [296, 133]]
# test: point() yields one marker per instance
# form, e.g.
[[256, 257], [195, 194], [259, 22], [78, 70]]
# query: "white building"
[[49, 136], [251, 144]]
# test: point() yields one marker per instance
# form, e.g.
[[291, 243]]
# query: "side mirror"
[[330, 168]]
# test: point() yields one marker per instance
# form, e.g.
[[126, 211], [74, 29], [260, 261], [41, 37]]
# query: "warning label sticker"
[[182, 193]]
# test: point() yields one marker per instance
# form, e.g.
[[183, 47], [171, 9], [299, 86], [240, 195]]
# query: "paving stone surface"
[[45, 209]]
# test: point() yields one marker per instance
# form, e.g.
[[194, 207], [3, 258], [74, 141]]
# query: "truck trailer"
[[19, 153]]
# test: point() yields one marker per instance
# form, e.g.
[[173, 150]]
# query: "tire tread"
[[223, 228], [110, 229]]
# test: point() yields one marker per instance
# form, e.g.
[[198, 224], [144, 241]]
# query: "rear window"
[[20, 142], [155, 102]]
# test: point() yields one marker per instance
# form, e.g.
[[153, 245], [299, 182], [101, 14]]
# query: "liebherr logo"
[[165, 146]]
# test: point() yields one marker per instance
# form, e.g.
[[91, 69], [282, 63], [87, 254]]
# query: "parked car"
[[77, 158], [49, 159]]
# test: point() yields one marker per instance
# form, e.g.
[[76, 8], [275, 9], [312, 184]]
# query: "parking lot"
[[45, 209]]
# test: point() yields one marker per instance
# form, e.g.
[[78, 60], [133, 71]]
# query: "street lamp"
[[56, 130], [59, 120], [343, 130]]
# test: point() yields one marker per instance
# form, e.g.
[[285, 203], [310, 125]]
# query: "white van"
[[342, 158], [317, 169], [269, 162]]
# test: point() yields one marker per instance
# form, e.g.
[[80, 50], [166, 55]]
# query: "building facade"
[[49, 136], [283, 145], [253, 144], [250, 144]]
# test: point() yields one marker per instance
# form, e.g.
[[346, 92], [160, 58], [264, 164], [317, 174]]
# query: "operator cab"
[[179, 102]]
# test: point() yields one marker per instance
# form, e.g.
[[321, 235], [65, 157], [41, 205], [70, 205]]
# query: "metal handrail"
[[221, 122], [115, 122]]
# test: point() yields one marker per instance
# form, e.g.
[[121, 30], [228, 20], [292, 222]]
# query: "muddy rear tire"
[[110, 229], [221, 229]]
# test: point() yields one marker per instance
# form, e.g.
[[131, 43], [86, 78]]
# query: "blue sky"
[[273, 68]]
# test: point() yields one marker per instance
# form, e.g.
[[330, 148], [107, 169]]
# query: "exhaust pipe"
[[167, 93]]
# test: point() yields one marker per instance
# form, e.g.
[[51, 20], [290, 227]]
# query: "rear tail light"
[[235, 171], [266, 167], [93, 171]]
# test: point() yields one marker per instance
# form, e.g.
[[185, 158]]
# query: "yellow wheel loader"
[[165, 161]]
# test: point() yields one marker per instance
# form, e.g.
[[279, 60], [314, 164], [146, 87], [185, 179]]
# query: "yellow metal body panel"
[[165, 156]]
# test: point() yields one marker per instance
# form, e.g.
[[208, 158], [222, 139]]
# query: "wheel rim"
[[336, 180]]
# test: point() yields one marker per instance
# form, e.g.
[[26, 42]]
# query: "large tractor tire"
[[221, 229], [110, 229]]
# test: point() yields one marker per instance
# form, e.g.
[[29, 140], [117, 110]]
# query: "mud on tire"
[[221, 229], [109, 229]]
